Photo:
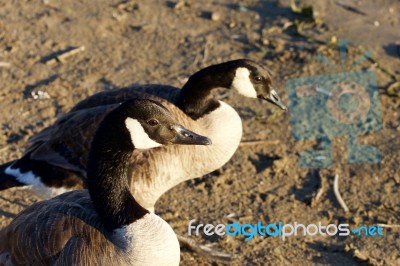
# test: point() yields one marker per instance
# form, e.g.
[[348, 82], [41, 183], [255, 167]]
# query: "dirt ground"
[[127, 42]]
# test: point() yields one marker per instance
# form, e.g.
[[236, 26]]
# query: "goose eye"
[[152, 122], [257, 78]]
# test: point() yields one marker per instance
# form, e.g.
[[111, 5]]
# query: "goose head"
[[135, 124], [151, 125], [245, 76], [254, 81]]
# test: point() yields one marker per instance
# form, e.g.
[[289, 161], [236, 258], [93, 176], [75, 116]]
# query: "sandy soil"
[[152, 41]]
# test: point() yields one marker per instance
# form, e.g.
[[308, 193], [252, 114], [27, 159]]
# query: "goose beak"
[[274, 99], [185, 136]]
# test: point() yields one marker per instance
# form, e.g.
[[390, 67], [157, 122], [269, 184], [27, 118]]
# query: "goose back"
[[71, 213], [65, 144], [84, 240]]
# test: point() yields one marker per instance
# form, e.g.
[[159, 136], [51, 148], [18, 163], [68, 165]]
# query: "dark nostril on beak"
[[187, 135], [273, 98]]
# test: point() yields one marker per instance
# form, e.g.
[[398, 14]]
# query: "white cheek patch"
[[242, 84], [139, 137]]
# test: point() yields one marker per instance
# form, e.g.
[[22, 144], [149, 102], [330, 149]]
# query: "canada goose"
[[56, 160], [103, 225]]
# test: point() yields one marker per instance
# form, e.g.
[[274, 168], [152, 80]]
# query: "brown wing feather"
[[65, 231], [148, 91], [66, 143]]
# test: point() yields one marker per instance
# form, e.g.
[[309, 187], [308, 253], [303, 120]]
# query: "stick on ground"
[[337, 194], [361, 256], [258, 142], [205, 251], [4, 64], [396, 226], [321, 190], [65, 55]]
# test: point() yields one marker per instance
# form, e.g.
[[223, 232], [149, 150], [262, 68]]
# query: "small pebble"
[[265, 41], [357, 220], [232, 215], [179, 4], [40, 95], [376, 23], [242, 8], [215, 16]]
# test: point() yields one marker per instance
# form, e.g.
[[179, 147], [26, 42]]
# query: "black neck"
[[108, 174], [195, 98]]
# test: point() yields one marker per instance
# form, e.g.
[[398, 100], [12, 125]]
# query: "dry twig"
[[65, 55], [321, 191], [337, 194], [205, 250], [258, 142], [4, 64], [395, 226], [361, 256], [70, 53], [350, 8], [379, 66], [205, 54]]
